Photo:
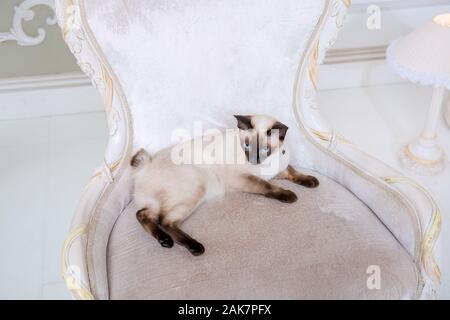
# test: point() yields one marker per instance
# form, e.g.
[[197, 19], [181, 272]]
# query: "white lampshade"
[[423, 56]]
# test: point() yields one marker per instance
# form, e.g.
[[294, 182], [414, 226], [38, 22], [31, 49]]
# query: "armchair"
[[161, 66]]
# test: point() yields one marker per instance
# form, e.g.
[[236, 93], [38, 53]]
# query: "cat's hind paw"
[[308, 182], [285, 196], [196, 248]]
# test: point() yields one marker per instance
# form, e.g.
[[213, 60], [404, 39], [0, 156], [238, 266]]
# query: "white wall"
[[45, 164], [357, 59], [397, 19]]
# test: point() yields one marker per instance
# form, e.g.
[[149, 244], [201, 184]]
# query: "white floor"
[[45, 163]]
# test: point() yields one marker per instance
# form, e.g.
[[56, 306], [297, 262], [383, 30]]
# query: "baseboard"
[[355, 54]]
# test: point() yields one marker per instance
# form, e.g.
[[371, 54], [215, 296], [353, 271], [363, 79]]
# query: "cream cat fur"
[[172, 183]]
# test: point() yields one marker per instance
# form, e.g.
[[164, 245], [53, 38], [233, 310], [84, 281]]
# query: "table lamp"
[[423, 57]]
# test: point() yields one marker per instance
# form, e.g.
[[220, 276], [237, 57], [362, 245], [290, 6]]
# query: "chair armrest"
[[93, 219], [405, 207]]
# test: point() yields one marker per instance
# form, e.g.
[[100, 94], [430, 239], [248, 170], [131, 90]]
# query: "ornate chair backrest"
[[177, 64], [163, 66]]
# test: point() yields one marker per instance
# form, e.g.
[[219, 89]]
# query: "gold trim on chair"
[[85, 48], [69, 18], [347, 3], [72, 281], [327, 136], [424, 247], [431, 235], [313, 64], [108, 90], [118, 167], [99, 173]]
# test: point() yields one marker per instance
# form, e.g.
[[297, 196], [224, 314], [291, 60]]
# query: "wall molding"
[[361, 6], [51, 81], [24, 12], [356, 54]]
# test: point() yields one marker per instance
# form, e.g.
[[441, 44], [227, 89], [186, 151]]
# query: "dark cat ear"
[[244, 122], [282, 129]]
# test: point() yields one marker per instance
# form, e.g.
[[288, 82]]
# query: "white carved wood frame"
[[24, 12]]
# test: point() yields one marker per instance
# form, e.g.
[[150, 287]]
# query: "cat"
[[169, 186]]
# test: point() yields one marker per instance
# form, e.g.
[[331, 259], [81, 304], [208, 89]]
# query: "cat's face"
[[260, 136]]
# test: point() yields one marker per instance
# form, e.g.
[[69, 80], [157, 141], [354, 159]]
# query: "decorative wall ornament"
[[24, 12]]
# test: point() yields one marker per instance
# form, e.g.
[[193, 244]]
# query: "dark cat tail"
[[141, 157]]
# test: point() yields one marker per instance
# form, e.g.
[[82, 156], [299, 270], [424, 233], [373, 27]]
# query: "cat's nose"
[[253, 158]]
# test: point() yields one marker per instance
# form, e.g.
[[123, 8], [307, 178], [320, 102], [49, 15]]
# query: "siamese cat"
[[169, 186]]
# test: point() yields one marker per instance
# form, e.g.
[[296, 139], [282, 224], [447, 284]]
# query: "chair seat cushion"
[[320, 247]]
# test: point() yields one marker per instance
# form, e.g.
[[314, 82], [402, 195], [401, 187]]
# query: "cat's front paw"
[[308, 182], [196, 248], [285, 196]]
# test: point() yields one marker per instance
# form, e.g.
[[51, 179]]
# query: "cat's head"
[[260, 136]]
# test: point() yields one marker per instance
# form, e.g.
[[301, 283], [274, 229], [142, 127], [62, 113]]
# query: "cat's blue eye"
[[264, 149], [246, 146]]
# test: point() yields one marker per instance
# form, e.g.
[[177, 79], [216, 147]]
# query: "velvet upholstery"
[[186, 61], [256, 248]]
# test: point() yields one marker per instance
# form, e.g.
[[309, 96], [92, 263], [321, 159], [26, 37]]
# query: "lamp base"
[[447, 113], [424, 156]]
